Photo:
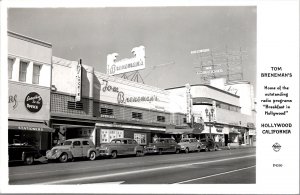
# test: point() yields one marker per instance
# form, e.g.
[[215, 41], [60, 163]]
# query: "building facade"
[[109, 107], [228, 116], [29, 78]]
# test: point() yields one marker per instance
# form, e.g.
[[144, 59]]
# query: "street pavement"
[[218, 167]]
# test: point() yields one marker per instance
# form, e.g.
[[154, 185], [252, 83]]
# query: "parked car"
[[189, 144], [208, 144], [163, 145], [121, 146], [73, 148], [22, 152]]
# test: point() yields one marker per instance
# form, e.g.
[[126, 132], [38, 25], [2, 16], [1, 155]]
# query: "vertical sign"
[[189, 103], [78, 81]]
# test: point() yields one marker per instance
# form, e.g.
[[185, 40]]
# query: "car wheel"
[[206, 149], [29, 160], [114, 154], [92, 155], [160, 151], [198, 149], [63, 158], [177, 151], [186, 150]]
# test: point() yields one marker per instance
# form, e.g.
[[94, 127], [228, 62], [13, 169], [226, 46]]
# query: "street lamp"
[[209, 114]]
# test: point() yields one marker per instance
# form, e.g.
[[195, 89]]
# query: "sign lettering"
[[33, 102], [13, 99]]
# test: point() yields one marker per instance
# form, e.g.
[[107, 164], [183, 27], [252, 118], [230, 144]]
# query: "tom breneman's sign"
[[78, 81], [128, 64]]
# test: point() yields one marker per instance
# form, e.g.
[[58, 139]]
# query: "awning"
[[29, 126], [179, 131]]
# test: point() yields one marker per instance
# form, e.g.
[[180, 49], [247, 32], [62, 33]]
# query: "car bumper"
[[104, 153], [151, 150], [52, 156]]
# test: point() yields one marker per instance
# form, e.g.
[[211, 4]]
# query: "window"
[[10, 67], [107, 135], [23, 71], [106, 112], [75, 105], [76, 143], [137, 115], [85, 143], [140, 138], [184, 120], [161, 119], [36, 74]]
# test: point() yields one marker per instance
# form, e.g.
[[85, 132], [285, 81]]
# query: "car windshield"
[[67, 143]]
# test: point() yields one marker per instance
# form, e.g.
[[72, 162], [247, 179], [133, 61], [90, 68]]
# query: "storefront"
[[28, 117], [144, 135]]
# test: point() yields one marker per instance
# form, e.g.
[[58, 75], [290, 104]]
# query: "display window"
[[140, 138], [107, 135]]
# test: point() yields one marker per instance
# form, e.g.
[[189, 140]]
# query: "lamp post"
[[209, 114]]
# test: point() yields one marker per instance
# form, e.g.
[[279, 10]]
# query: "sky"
[[169, 34]]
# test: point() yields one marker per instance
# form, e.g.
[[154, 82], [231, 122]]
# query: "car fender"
[[91, 150], [69, 153]]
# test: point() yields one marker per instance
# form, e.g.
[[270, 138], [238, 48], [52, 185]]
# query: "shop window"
[[161, 119], [10, 67], [108, 135], [137, 115], [140, 138], [23, 71], [184, 120], [36, 74], [75, 105]]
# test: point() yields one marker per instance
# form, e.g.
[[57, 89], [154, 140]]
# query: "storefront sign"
[[121, 97], [128, 64], [33, 102], [106, 116], [78, 81], [12, 99], [188, 103], [30, 128]]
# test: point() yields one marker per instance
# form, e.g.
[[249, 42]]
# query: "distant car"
[[163, 145], [73, 148], [121, 146], [189, 144], [208, 144], [22, 152]]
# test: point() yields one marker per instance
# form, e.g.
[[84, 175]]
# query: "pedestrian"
[[228, 145]]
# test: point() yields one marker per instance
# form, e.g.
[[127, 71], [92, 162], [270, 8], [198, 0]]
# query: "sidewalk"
[[236, 146]]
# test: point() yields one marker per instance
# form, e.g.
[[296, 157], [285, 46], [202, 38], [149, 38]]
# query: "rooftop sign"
[[128, 64]]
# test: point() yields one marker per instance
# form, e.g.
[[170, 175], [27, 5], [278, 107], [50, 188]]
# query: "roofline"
[[209, 86], [30, 39]]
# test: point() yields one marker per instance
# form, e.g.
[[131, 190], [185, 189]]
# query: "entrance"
[[226, 139]]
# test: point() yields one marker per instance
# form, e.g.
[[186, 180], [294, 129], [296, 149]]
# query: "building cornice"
[[29, 39]]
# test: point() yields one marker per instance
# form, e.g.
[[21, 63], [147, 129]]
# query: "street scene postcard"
[[150, 97]]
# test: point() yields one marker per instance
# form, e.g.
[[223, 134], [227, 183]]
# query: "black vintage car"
[[23, 153]]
